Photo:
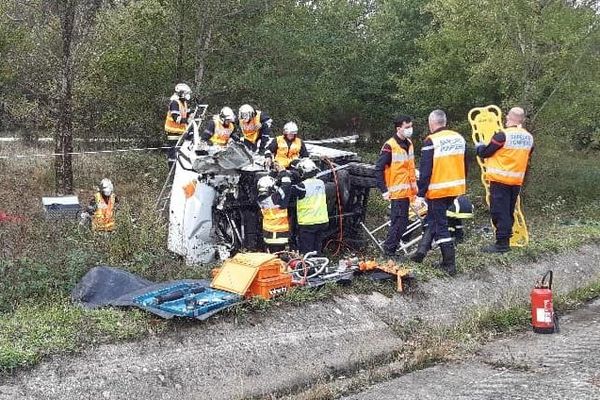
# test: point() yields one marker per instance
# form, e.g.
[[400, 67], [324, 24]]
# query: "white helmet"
[[106, 187], [246, 112], [227, 114], [183, 91], [290, 128], [265, 184], [306, 166]]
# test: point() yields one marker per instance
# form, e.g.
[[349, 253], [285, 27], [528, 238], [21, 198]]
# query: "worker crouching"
[[102, 208], [273, 203]]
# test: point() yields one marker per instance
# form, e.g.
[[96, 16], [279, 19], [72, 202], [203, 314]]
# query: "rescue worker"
[[460, 209], [177, 119], [287, 147], [443, 170], [507, 157], [273, 203], [396, 179], [102, 207], [311, 207], [221, 128], [255, 127]]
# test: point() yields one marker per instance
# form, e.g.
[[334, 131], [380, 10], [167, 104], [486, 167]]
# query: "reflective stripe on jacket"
[[509, 163], [312, 208], [221, 134], [251, 128], [103, 219], [448, 172], [400, 177], [176, 129], [275, 218], [285, 155]]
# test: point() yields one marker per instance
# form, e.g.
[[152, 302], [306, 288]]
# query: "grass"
[[41, 261], [425, 346], [36, 330]]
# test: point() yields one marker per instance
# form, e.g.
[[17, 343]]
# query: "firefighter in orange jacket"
[[255, 128], [177, 118], [102, 207], [507, 156], [287, 147], [273, 202], [221, 128], [442, 178], [396, 179]]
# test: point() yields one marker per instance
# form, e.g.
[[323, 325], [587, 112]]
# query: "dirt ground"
[[287, 347], [528, 366]]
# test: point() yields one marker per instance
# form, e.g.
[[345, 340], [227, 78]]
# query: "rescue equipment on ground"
[[543, 318], [485, 121], [252, 274], [412, 235], [389, 267], [61, 208], [186, 300], [313, 271]]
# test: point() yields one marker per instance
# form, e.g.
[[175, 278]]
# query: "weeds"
[[42, 260]]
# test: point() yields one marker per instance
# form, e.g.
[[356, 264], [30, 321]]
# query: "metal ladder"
[[163, 200]]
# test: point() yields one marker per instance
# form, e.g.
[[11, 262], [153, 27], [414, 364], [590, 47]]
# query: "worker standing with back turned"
[[177, 117], [507, 157], [442, 178], [396, 179]]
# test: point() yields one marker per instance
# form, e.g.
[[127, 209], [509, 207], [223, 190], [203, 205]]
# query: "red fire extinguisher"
[[543, 318]]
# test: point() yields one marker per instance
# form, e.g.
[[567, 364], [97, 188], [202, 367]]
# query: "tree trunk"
[[63, 166], [202, 44]]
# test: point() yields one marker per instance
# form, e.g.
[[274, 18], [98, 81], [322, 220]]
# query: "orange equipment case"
[[268, 288]]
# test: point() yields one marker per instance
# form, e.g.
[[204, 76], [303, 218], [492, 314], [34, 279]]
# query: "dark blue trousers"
[[503, 199], [310, 238], [437, 218], [398, 223]]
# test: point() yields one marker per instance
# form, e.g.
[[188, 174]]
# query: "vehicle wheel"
[[363, 169], [363, 181]]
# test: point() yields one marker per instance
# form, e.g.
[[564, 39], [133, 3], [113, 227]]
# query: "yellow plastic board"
[[485, 121], [238, 273]]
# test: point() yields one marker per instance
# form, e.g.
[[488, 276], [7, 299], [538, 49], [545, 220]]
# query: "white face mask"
[[407, 132], [187, 96]]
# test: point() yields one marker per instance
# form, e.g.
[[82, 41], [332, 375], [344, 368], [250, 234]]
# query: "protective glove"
[[386, 196], [419, 202], [268, 163], [479, 144]]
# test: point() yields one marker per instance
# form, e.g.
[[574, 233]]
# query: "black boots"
[[424, 246], [448, 258], [501, 246]]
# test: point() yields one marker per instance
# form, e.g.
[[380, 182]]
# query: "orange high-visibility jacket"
[[448, 172], [251, 128], [285, 155], [509, 163], [275, 221], [176, 129], [104, 216], [400, 177], [221, 134]]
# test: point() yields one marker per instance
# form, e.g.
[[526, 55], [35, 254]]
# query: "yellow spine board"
[[485, 121]]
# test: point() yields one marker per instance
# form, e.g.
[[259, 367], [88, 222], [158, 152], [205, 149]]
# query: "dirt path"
[[529, 366], [286, 347]]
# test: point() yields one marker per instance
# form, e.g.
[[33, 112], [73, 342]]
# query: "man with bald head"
[[442, 178], [507, 156]]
